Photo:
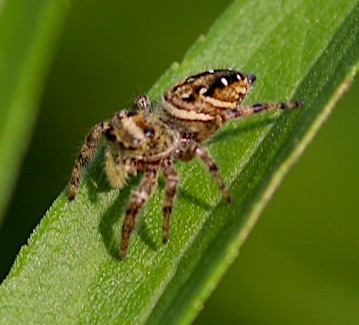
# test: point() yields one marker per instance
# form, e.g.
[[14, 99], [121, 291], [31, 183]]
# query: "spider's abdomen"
[[195, 105]]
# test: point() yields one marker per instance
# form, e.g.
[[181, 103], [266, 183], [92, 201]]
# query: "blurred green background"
[[301, 262]]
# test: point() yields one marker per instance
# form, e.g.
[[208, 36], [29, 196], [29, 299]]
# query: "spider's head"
[[131, 130]]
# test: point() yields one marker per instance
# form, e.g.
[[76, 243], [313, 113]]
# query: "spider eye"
[[129, 114], [149, 133], [110, 136]]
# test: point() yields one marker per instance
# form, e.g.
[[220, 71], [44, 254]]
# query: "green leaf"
[[28, 34], [70, 271]]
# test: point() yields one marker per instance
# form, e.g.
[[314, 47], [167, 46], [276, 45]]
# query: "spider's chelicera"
[[143, 140]]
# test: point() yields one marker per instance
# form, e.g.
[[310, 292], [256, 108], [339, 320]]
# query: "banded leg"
[[246, 110], [209, 162], [171, 186], [85, 155], [143, 103], [139, 197]]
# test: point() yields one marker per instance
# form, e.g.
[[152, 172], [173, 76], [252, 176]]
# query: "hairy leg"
[[138, 199], [245, 110], [85, 155], [194, 149], [143, 103], [171, 186]]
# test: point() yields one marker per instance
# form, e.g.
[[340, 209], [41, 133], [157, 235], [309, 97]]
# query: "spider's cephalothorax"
[[190, 113]]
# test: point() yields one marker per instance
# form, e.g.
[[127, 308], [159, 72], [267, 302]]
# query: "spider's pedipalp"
[[117, 169]]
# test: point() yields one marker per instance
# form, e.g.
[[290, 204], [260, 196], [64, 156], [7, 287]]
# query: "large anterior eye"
[[149, 132]]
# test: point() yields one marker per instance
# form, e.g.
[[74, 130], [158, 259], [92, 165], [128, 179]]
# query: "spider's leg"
[[171, 186], [85, 155], [245, 110], [143, 103], [209, 162], [138, 199]]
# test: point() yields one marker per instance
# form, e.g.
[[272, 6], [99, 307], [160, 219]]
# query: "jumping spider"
[[190, 113]]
